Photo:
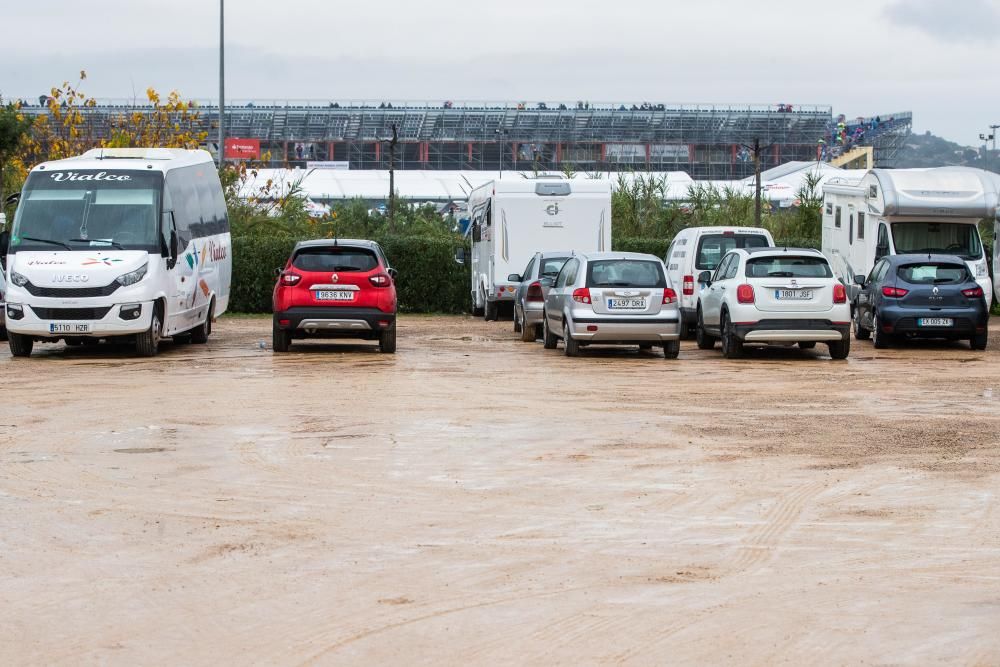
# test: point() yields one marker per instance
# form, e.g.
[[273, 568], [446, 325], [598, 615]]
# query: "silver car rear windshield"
[[625, 273], [788, 266], [335, 259], [931, 273]]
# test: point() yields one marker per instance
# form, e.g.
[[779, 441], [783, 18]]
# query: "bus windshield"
[[87, 209], [939, 238]]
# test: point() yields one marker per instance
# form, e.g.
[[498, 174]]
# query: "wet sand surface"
[[478, 500]]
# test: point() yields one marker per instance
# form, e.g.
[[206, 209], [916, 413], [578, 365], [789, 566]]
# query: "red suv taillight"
[[744, 294], [534, 292], [973, 292], [289, 279], [688, 287], [894, 292], [581, 295], [839, 293], [669, 296], [380, 280]]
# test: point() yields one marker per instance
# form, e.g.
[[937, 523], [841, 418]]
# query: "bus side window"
[[187, 211]]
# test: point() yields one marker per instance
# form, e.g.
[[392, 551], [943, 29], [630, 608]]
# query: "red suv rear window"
[[335, 259]]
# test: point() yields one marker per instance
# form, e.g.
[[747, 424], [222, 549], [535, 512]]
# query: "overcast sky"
[[939, 59]]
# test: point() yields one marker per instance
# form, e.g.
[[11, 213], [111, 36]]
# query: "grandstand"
[[705, 141]]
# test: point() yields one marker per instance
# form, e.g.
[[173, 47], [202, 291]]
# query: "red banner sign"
[[242, 149]]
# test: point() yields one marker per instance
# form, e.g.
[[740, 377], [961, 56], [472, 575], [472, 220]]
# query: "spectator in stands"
[[562, 107]]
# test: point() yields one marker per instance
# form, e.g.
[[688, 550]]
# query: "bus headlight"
[[18, 279], [133, 277]]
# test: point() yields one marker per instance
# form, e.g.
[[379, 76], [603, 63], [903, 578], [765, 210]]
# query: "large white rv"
[[901, 211], [118, 242], [513, 219]]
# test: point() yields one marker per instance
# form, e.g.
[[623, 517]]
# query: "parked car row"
[[750, 293]]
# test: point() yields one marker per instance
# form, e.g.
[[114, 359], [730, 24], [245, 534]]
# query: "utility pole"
[[756, 151], [222, 82], [392, 178]]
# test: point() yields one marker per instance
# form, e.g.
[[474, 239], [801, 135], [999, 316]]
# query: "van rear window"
[[335, 259], [713, 247], [625, 273], [929, 273], [786, 266]]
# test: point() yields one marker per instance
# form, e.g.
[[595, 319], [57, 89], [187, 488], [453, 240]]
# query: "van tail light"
[[744, 294], [581, 295], [669, 296], [534, 293], [688, 287], [839, 293], [289, 279], [380, 280], [894, 292], [973, 292]]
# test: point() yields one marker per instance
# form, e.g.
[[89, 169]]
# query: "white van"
[[903, 211], [698, 249], [513, 219], [118, 242]]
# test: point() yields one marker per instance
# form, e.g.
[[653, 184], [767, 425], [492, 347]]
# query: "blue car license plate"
[[935, 322]]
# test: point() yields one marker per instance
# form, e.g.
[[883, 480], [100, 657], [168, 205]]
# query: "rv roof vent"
[[552, 189]]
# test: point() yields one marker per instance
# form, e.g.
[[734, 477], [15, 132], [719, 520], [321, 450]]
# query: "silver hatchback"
[[612, 298], [529, 299]]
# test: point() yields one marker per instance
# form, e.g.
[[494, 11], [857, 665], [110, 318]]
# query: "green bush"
[[653, 246], [429, 280]]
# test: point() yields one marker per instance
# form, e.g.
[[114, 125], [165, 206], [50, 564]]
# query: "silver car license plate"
[[793, 294], [69, 328], [334, 295], [626, 304], [935, 322]]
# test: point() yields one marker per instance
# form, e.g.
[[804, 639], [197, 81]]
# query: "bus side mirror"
[[460, 256], [393, 273]]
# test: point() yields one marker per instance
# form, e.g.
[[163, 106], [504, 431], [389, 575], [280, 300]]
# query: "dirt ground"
[[478, 500]]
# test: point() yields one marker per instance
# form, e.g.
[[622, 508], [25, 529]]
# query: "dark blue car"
[[920, 296]]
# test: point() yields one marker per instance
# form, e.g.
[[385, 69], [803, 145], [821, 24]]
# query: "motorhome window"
[[788, 266], [861, 225], [836, 218], [931, 273], [341, 258], [850, 229], [713, 247], [625, 273], [829, 208], [89, 209], [551, 266], [943, 238]]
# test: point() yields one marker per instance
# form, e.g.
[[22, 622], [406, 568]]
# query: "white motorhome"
[[119, 242], [902, 211], [513, 219]]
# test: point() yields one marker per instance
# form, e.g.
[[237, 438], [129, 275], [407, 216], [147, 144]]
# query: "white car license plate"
[[626, 304], [69, 328], [793, 294], [334, 295], [935, 322]]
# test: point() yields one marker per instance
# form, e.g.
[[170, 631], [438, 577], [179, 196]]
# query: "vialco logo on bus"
[[60, 176]]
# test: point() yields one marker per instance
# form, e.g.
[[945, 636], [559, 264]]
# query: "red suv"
[[335, 289]]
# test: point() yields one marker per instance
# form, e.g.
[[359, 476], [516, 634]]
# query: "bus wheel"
[[200, 333], [147, 344]]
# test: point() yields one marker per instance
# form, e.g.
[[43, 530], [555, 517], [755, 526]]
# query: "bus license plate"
[[334, 295], [935, 322], [626, 304], [69, 328], [793, 294]]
